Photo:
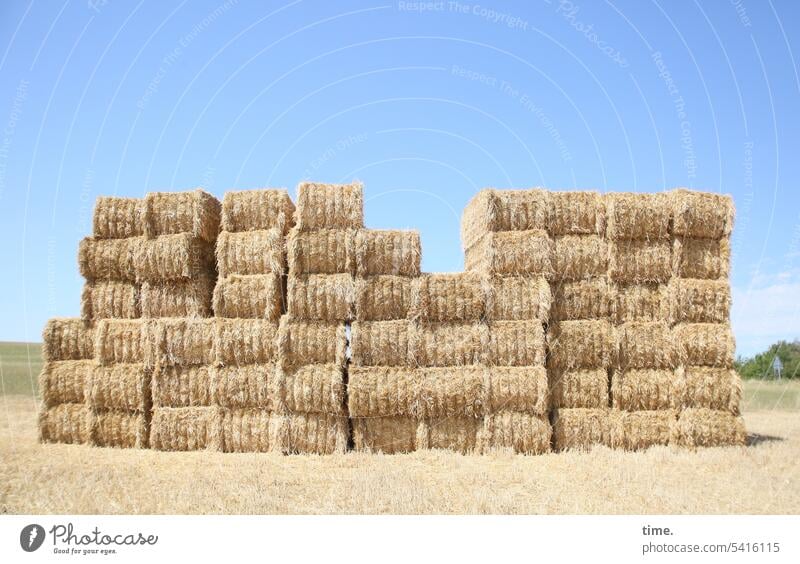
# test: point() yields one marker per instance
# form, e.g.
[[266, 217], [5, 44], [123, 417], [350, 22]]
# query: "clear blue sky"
[[425, 103]]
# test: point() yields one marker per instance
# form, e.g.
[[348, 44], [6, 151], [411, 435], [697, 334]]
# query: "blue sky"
[[426, 103]]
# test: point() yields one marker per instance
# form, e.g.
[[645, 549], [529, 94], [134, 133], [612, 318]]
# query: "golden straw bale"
[[647, 345], [311, 342], [459, 434], [254, 210], [108, 259], [504, 210], [104, 299], [186, 428], [314, 388], [582, 344], [253, 430], [516, 343], [389, 435], [642, 303], [577, 213], [64, 381], [638, 430], [181, 386], [708, 428], [251, 252], [638, 215], [329, 206], [647, 389], [120, 429], [382, 391], [195, 213], [67, 338], [700, 301], [180, 342], [517, 388], [387, 252], [639, 262], [66, 423], [173, 257], [518, 298], [705, 344], [448, 392], [252, 296], [118, 218], [459, 296], [587, 387], [254, 385], [245, 341], [448, 344], [713, 388], [178, 298], [328, 251], [583, 299], [580, 429], [317, 433], [511, 252], [701, 258], [381, 343], [121, 341], [120, 386], [523, 433], [701, 214], [383, 298], [323, 297], [578, 257]]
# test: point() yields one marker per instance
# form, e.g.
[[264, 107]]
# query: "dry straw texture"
[[701, 258], [638, 216], [700, 301], [705, 344], [459, 434], [311, 342], [314, 433], [709, 428], [647, 345], [254, 210], [68, 339], [255, 385], [581, 429], [520, 432], [518, 298], [121, 341], [511, 252], [713, 388], [504, 210], [642, 303], [381, 343], [577, 213], [586, 388], [253, 430], [374, 391], [178, 298], [315, 388], [245, 341], [172, 257], [642, 429], [121, 386], [387, 252], [582, 344], [64, 381], [584, 299], [251, 252], [195, 213], [253, 296], [328, 251], [323, 297], [518, 389], [120, 429], [109, 298], [186, 428], [118, 218], [107, 259], [380, 298], [640, 262], [180, 342], [181, 386], [578, 257], [449, 297], [701, 214], [449, 344], [329, 206], [66, 423], [647, 389], [388, 435], [516, 343]]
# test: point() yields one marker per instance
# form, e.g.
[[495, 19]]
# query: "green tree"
[[760, 366]]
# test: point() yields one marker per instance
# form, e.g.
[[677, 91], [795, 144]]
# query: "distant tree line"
[[761, 365]]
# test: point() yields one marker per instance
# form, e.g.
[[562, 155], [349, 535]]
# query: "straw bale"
[[328, 251], [708, 428], [311, 342], [518, 298], [700, 301], [449, 344], [181, 386], [329, 206], [252, 296], [382, 298], [323, 297], [637, 430], [108, 259], [583, 299], [586, 388], [511, 252], [521, 389], [387, 252], [245, 341], [713, 388], [647, 389], [642, 303], [577, 213], [64, 381], [381, 343], [180, 342], [516, 343], [66, 423], [647, 345], [459, 296], [578, 257], [389, 435], [580, 428], [639, 262], [638, 216], [66, 338], [521, 432], [120, 429], [118, 218], [121, 341], [178, 298], [504, 210], [120, 386], [317, 433], [254, 385], [186, 428], [253, 430], [447, 392], [110, 298], [459, 434], [582, 344], [195, 213], [315, 388], [173, 257], [251, 252], [254, 210], [705, 344], [701, 214], [701, 258], [382, 391]]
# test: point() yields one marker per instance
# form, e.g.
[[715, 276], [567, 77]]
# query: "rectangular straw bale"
[[449, 344], [580, 429], [702, 427], [173, 257], [381, 343], [640, 262], [64, 381], [311, 342], [700, 301], [195, 213], [121, 341], [245, 341], [181, 386], [317, 433], [382, 298], [120, 386], [66, 338], [328, 251], [586, 387], [108, 259], [380, 391], [181, 342], [178, 298], [638, 215], [322, 297], [582, 344], [582, 299], [577, 213], [511, 252], [449, 392], [504, 210], [638, 430], [701, 214], [705, 344], [459, 296], [522, 433], [253, 430], [712, 388], [516, 343], [254, 385], [518, 298], [186, 428], [647, 345], [387, 252], [517, 388], [120, 429], [251, 252], [701, 258], [252, 296], [118, 218], [647, 389], [578, 257], [314, 388], [389, 435], [329, 206], [105, 299], [254, 210], [642, 303], [66, 423], [458, 434]]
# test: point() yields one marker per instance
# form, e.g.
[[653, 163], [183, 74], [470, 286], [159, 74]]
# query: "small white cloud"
[[765, 312]]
